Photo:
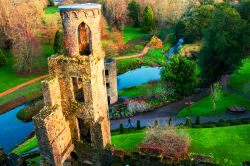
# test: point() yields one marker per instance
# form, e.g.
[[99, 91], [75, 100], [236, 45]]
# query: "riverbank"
[[6, 107]]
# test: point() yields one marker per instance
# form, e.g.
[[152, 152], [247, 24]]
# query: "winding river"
[[14, 132]]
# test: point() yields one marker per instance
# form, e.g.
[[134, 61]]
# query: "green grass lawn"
[[204, 107], [51, 10], [9, 78], [146, 89], [26, 146], [230, 143], [27, 91], [223, 143], [130, 33], [240, 80]]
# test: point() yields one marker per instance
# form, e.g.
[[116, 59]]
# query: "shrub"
[[138, 124], [27, 113], [121, 128], [59, 45], [170, 122], [197, 121], [111, 49], [3, 59], [156, 123], [156, 42], [209, 125], [188, 122], [119, 111], [173, 144]]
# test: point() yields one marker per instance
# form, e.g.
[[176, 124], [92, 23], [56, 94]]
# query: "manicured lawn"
[[9, 78], [26, 146], [51, 10], [240, 80], [28, 90], [204, 107], [130, 33], [140, 90], [222, 143]]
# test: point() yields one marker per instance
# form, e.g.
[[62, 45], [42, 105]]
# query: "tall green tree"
[[59, 44], [180, 72], [226, 43], [134, 12], [148, 22], [192, 26], [244, 9]]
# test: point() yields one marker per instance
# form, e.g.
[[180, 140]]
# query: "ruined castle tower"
[[75, 117], [111, 80]]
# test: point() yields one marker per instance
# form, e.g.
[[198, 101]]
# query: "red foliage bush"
[[151, 149], [173, 144]]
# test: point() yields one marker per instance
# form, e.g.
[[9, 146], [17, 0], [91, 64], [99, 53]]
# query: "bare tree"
[[168, 11], [116, 12], [215, 90], [18, 23]]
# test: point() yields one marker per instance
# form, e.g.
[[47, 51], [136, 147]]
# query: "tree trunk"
[[214, 105]]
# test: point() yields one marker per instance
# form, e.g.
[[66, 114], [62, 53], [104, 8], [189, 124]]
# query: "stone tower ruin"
[[111, 80], [75, 117]]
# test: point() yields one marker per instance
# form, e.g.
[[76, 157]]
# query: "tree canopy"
[[226, 43], [192, 26], [181, 73], [134, 12]]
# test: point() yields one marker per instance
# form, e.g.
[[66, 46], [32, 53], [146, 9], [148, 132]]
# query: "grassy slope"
[[140, 90], [204, 107], [51, 10], [223, 142], [8, 77], [26, 146], [130, 33], [240, 80]]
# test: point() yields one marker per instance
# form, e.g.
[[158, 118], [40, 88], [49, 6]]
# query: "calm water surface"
[[138, 76], [12, 130]]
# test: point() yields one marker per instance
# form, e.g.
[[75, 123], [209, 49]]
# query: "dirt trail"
[[22, 85]]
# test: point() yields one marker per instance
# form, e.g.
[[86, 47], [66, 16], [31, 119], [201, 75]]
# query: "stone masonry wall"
[[111, 78]]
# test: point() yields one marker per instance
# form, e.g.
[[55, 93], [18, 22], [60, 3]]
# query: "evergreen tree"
[[59, 45], [134, 12], [148, 22]]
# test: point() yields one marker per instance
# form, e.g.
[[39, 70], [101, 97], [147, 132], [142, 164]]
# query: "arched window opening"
[[84, 39]]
